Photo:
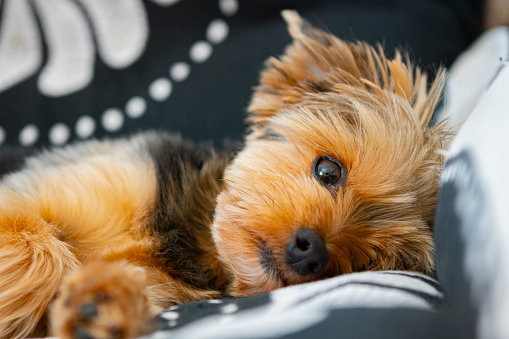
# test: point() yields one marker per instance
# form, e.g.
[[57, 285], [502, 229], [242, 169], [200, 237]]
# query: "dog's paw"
[[105, 300]]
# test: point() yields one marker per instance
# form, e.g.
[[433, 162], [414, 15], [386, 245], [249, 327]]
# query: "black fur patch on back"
[[189, 180]]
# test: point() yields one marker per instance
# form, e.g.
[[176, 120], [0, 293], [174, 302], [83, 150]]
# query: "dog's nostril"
[[302, 244], [306, 254]]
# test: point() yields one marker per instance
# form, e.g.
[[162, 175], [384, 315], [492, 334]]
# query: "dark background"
[[210, 104]]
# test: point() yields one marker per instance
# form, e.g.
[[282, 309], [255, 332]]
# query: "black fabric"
[[193, 311], [210, 104], [376, 323], [12, 158]]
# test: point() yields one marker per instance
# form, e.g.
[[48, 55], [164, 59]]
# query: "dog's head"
[[340, 169]]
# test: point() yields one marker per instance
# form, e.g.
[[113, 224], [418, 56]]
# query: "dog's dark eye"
[[329, 171]]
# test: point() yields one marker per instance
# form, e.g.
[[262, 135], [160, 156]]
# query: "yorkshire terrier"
[[340, 168], [339, 173]]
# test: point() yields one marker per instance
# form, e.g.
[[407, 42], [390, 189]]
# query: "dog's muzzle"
[[306, 253]]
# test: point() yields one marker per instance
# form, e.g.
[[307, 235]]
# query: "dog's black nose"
[[306, 254]]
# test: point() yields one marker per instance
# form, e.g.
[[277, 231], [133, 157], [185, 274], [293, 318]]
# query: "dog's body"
[[339, 174], [135, 212]]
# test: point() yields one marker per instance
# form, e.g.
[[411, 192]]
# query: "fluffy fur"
[[98, 237], [101, 236], [345, 101]]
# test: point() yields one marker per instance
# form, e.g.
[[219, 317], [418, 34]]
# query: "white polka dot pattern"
[[2, 135], [85, 127], [112, 119], [180, 71], [229, 7], [200, 51], [29, 135], [59, 134], [217, 31], [165, 2], [135, 107], [160, 89]]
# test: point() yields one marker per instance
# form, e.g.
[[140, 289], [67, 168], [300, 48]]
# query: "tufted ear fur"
[[317, 62]]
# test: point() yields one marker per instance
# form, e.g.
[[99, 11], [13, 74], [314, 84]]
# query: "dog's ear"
[[318, 62]]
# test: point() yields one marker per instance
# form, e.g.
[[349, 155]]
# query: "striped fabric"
[[292, 310]]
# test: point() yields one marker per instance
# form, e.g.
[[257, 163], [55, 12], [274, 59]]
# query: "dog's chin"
[[246, 286], [269, 264], [253, 275]]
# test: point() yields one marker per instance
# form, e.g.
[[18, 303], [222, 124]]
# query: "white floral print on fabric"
[[70, 40], [92, 27]]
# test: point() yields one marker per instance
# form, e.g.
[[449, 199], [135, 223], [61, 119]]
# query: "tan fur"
[[68, 212], [119, 293], [127, 296], [318, 62], [91, 196], [97, 223], [33, 262], [327, 97], [74, 228]]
